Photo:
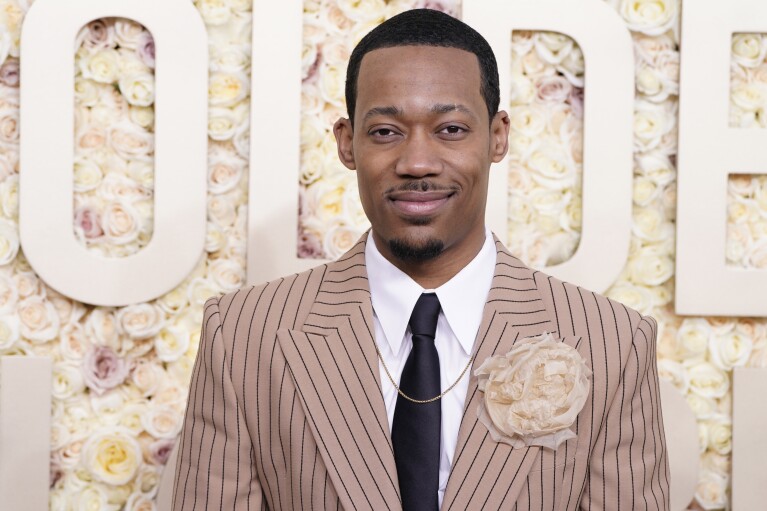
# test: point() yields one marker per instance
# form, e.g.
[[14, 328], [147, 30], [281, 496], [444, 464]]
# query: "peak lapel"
[[334, 364], [485, 473]]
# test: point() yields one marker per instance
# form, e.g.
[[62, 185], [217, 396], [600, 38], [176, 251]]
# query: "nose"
[[419, 156]]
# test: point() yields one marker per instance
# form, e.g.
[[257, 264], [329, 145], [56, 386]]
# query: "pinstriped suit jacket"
[[285, 409]]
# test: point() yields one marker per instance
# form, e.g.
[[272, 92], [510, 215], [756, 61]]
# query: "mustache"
[[421, 185]]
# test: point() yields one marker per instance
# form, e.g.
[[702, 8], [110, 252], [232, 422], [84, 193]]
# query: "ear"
[[344, 134], [499, 136]]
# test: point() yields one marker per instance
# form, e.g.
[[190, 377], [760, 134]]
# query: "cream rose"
[[9, 332], [214, 12], [221, 210], [9, 197], [532, 394], [162, 422], [633, 295], [147, 376], [226, 274], [87, 175], [651, 123], [199, 290], [101, 326], [102, 67], [720, 434], [39, 319], [128, 33], [171, 343], [711, 492], [67, 381], [693, 337], [706, 379], [130, 141], [140, 321], [228, 89], [138, 89], [225, 170], [651, 17], [730, 350], [651, 267], [749, 50], [121, 222], [9, 242], [139, 502], [112, 456], [552, 47]]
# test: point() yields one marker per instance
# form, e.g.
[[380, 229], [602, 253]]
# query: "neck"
[[432, 273]]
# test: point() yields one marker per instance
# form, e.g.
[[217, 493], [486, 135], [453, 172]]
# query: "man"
[[353, 385]]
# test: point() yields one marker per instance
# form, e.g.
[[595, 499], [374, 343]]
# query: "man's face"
[[422, 146]]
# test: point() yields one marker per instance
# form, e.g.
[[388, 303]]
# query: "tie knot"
[[423, 321]]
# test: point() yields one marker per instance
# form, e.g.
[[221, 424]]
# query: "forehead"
[[403, 74]]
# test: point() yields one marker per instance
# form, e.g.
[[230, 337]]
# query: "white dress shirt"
[[393, 295]]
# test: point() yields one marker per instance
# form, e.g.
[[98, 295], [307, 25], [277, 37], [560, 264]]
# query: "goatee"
[[405, 251]]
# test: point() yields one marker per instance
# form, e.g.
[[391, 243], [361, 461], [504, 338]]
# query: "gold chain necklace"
[[421, 401]]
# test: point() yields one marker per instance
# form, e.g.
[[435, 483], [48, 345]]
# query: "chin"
[[415, 251]]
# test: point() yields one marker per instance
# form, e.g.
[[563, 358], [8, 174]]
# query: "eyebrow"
[[439, 108]]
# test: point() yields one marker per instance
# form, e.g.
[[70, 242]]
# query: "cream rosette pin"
[[533, 393]]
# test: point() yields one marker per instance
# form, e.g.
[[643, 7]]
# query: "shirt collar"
[[394, 294]]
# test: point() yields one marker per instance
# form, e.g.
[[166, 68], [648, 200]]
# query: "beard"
[[405, 250]]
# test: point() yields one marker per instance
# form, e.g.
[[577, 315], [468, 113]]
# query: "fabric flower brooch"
[[533, 393]]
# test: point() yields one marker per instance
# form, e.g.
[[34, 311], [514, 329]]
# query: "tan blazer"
[[285, 409]]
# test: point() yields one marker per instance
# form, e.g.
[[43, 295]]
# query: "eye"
[[453, 131]]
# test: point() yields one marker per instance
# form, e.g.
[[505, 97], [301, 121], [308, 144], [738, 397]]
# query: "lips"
[[419, 203]]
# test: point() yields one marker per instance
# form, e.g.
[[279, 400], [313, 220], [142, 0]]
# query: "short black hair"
[[426, 27]]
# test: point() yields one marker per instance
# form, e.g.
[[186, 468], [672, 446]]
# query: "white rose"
[[651, 123], [522, 89], [552, 165], [9, 242], [87, 175], [143, 116], [112, 456], [73, 342], [108, 406], [702, 407], [91, 497], [363, 10], [693, 337], [121, 222], [225, 170], [749, 50], [140, 321], [650, 225], [552, 47], [756, 255], [711, 491], [173, 301], [730, 350], [633, 295], [162, 422], [232, 57], [139, 502], [28, 284], [221, 210], [9, 295], [331, 84], [706, 379], [9, 126], [147, 376], [656, 166], [214, 12], [101, 326], [9, 197], [222, 124], [651, 268], [171, 343], [9, 331], [720, 434], [228, 89], [338, 239], [138, 89], [530, 120], [645, 191], [129, 415], [128, 33], [199, 290], [573, 67], [751, 97], [228, 275], [39, 319], [651, 17], [67, 381], [549, 202], [103, 66], [86, 92], [532, 395], [130, 141]]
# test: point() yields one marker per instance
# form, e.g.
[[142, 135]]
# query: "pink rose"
[[160, 450], [553, 89], [103, 369], [88, 221], [145, 49], [309, 246], [9, 73], [97, 35], [437, 6]]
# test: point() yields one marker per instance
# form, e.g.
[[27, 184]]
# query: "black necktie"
[[416, 427]]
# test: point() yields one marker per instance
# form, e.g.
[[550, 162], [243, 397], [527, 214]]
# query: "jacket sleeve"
[[633, 472], [214, 467]]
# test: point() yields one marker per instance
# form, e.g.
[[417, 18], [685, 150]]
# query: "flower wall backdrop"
[[120, 373]]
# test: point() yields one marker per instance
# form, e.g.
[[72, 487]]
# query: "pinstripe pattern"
[[285, 409]]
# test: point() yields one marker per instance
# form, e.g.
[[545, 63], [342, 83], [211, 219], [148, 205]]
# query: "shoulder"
[[268, 303]]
